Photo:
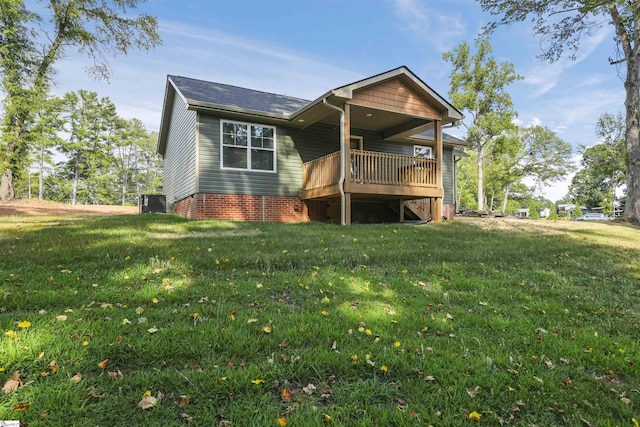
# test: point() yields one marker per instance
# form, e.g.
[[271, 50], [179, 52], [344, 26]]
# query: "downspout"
[[343, 162]]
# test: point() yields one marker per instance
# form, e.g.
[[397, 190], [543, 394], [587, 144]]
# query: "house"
[[369, 151], [544, 213], [522, 213]]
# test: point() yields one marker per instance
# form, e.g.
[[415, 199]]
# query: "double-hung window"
[[248, 146]]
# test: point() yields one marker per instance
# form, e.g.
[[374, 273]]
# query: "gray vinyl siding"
[[213, 179], [447, 175], [293, 148], [180, 155]]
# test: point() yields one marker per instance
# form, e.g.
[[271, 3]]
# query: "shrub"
[[553, 215], [576, 212]]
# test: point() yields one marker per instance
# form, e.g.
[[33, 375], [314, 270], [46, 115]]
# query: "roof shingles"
[[234, 96]]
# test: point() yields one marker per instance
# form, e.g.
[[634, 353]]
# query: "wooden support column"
[[346, 147], [401, 210], [436, 205]]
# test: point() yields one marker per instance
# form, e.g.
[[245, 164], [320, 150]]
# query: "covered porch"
[[395, 106], [376, 176]]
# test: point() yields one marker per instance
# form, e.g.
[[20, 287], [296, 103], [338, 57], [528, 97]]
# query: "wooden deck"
[[371, 174]]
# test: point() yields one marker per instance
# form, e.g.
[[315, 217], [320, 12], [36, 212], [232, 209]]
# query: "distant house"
[[369, 151], [544, 213], [522, 213], [566, 207]]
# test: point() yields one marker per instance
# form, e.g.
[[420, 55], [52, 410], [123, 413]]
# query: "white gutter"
[[343, 162]]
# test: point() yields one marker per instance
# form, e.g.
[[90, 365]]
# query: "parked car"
[[592, 216]]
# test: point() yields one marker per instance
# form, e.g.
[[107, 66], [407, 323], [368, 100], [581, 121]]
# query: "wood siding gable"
[[393, 95]]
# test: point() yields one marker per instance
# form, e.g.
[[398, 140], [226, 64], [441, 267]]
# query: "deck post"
[[401, 210], [436, 205], [345, 145]]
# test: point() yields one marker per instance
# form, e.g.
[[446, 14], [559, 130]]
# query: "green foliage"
[[603, 165], [533, 210], [576, 212], [478, 86], [512, 207], [553, 214], [580, 18], [32, 41], [543, 315]]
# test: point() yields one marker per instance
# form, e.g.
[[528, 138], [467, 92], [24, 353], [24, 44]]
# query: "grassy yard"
[[154, 320]]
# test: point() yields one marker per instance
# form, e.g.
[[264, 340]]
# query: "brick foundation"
[[241, 207]]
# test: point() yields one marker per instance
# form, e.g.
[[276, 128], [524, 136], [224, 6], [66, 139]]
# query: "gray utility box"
[[153, 203]]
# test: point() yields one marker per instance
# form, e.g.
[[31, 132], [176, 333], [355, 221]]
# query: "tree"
[[603, 165], [43, 137], [534, 152], [478, 85], [91, 121], [128, 150], [533, 210], [553, 214], [562, 24], [30, 45]]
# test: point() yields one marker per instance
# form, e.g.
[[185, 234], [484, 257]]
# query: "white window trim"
[[423, 146], [248, 168]]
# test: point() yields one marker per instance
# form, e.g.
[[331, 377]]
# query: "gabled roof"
[[201, 95]]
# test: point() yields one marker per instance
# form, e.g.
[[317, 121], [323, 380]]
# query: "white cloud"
[[544, 76], [442, 31], [138, 81]]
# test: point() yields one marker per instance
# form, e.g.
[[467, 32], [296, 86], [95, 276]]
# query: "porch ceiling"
[[376, 120]]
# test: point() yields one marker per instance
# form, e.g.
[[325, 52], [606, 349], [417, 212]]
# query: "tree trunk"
[[507, 191], [124, 188], [7, 191], [480, 181], [632, 137], [41, 177], [74, 188]]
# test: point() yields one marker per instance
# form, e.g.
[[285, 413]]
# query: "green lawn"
[[252, 324]]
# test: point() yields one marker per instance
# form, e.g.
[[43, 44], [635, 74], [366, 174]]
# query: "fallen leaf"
[[475, 416], [103, 364], [53, 366], [282, 422], [115, 375], [21, 406], [76, 378], [309, 389], [139, 310], [473, 391], [257, 381], [285, 395], [92, 394], [61, 317], [184, 400], [11, 334], [266, 329], [24, 324], [327, 418], [152, 330], [12, 383], [147, 402], [188, 418]]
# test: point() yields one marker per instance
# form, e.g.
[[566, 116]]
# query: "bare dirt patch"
[[50, 208]]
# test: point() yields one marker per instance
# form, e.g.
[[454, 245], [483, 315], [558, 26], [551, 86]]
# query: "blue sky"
[[303, 48]]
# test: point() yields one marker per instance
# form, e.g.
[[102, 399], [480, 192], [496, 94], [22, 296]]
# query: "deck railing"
[[322, 172], [370, 167]]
